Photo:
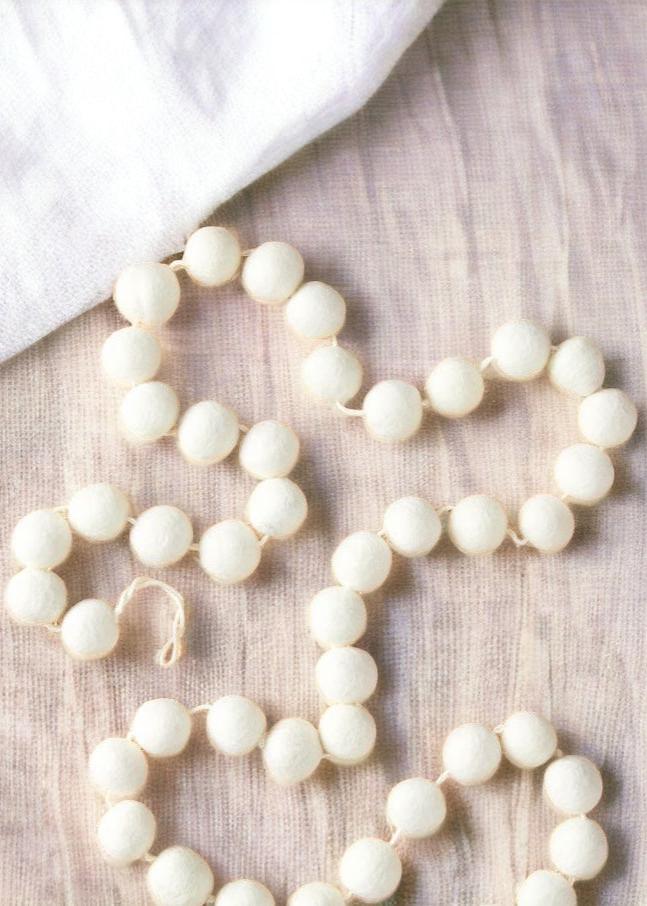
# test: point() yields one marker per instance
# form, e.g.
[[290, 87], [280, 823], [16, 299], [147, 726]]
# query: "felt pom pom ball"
[[147, 294], [607, 418], [89, 630], [98, 512], [371, 870], [317, 894], [148, 412], [117, 768], [528, 740], [272, 272], [161, 536], [584, 474], [179, 877], [471, 754], [161, 727], [337, 616], [520, 350], [235, 725], [316, 311], [41, 539], [277, 507], [35, 596], [347, 733], [412, 526], [270, 449], [578, 848], [292, 751], [207, 433], [546, 888], [331, 374], [573, 785], [477, 524], [392, 411], [346, 675], [131, 356], [362, 562], [126, 832], [244, 893], [416, 808], [212, 256], [547, 523], [577, 367], [455, 388], [229, 551]]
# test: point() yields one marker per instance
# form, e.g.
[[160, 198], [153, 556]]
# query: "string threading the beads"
[[172, 650]]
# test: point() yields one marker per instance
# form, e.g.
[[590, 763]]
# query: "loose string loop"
[[171, 652]]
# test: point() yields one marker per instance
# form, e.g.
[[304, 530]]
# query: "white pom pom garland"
[[370, 869]]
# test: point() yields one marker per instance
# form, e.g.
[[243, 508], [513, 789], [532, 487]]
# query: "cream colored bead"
[[126, 832], [573, 785], [207, 433], [161, 727], [41, 539], [371, 870], [179, 877], [471, 754], [292, 751], [546, 888], [212, 256], [607, 418], [477, 524], [272, 272], [317, 894], [528, 740], [316, 311], [89, 630], [577, 367], [416, 808], [547, 523], [346, 675], [35, 596], [117, 768], [229, 551], [337, 616], [131, 356], [277, 507], [347, 733], [362, 562], [147, 294], [332, 374], [269, 450], [578, 848], [148, 412], [392, 411], [520, 350], [412, 526], [455, 387], [584, 474], [98, 512], [161, 536], [244, 893], [235, 725]]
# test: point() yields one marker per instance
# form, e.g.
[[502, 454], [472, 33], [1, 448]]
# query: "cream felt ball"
[[416, 808], [292, 751], [147, 294], [244, 893], [332, 374], [607, 418], [317, 894], [179, 877], [126, 832], [229, 551], [578, 848], [337, 616], [412, 526], [471, 754], [520, 350], [547, 523], [270, 449], [207, 433], [35, 596], [362, 562], [546, 888], [277, 507], [528, 740], [577, 367], [573, 785], [272, 272], [347, 733], [89, 630], [477, 524], [161, 536], [161, 727], [346, 675], [455, 387], [98, 512], [584, 473], [235, 725], [117, 768], [41, 539], [131, 356], [371, 870], [212, 256], [148, 412], [316, 311], [392, 411]]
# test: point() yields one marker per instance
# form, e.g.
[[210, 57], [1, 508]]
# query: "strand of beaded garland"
[[370, 870], [229, 552], [147, 295]]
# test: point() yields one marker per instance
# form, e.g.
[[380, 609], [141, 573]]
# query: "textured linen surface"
[[154, 114], [499, 172]]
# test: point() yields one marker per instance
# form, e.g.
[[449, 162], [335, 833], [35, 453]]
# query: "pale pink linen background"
[[500, 172]]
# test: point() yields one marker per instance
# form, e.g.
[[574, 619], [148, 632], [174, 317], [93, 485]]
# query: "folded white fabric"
[[124, 124]]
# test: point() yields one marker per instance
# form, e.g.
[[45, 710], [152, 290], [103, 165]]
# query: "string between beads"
[[171, 652]]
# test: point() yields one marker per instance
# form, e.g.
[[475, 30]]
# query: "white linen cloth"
[[125, 124]]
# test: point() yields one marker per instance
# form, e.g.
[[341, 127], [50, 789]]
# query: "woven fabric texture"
[[500, 172]]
